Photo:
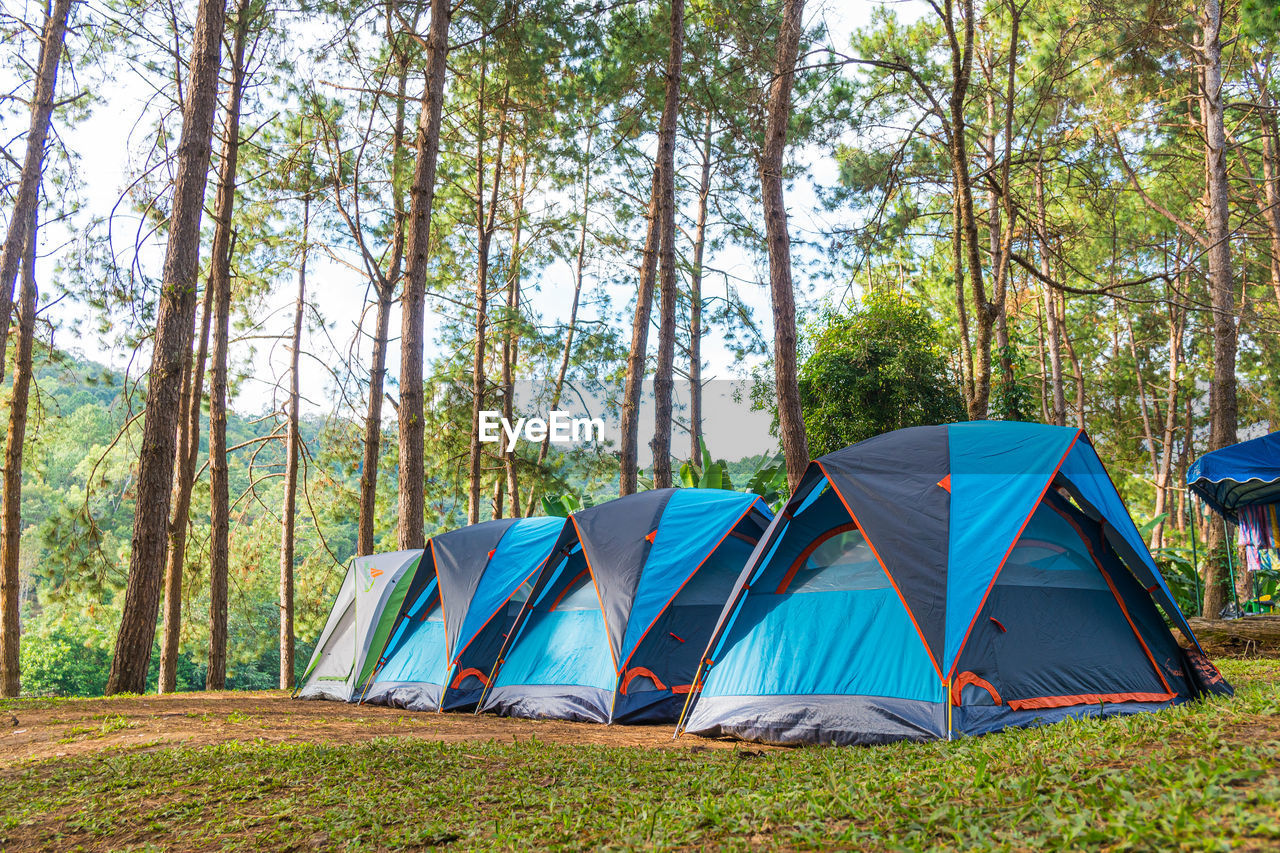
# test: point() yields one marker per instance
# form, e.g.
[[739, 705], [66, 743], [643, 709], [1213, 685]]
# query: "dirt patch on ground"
[[82, 726]]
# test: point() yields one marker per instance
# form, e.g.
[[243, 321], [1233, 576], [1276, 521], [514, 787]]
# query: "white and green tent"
[[361, 619]]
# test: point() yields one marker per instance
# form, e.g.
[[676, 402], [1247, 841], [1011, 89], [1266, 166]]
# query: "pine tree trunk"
[[790, 418], [486, 221], [695, 298], [289, 511], [384, 288], [1271, 181], [373, 427], [412, 481], [11, 512], [969, 255], [1052, 331], [183, 482], [171, 347], [566, 353], [1222, 387], [220, 281], [27, 196], [663, 379], [1164, 472], [1077, 369], [628, 480], [511, 341]]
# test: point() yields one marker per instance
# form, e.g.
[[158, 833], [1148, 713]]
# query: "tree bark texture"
[[486, 222], [1222, 387], [27, 196], [412, 480], [292, 439], [11, 512], [695, 298], [664, 163], [795, 447], [385, 289], [183, 483], [171, 347], [663, 380], [220, 282]]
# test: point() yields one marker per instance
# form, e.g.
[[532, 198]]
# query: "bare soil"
[[82, 726]]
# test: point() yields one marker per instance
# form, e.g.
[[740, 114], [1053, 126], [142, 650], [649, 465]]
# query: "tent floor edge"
[[569, 702], [835, 720], [973, 720]]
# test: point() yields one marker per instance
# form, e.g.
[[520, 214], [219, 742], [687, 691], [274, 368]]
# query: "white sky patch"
[[338, 291]]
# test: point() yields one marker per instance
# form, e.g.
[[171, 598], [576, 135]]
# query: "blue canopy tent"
[[612, 629], [945, 580], [1241, 483], [1240, 475]]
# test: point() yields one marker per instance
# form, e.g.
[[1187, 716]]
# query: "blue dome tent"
[[615, 624], [457, 612], [945, 580]]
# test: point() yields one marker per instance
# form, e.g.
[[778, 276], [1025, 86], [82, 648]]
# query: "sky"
[[104, 141]]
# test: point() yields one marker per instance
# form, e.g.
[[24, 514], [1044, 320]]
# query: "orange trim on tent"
[[1040, 702], [604, 617], [744, 537], [427, 608], [640, 672], [681, 688], [653, 534], [461, 676], [887, 573], [966, 678], [568, 587], [945, 484], [648, 627], [983, 603], [807, 552]]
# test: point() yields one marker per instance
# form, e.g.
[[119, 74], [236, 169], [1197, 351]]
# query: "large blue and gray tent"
[[615, 624], [458, 611], [945, 580], [359, 624]]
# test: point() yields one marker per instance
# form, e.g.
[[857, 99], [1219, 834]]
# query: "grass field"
[[1204, 776]]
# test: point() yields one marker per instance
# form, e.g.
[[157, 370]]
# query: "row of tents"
[[926, 583]]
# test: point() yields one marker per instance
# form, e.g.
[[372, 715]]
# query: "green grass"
[[110, 724], [1204, 776]]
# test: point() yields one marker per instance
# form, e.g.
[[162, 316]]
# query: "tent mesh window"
[[580, 594], [840, 560], [1061, 621]]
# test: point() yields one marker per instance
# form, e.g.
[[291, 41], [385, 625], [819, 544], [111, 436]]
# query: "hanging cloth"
[[1259, 531]]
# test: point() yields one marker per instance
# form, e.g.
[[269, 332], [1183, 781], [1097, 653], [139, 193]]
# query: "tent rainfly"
[[458, 611], [361, 619], [945, 580], [616, 621]]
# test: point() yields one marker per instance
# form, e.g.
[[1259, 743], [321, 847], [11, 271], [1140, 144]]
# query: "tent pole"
[[1231, 563], [693, 688], [946, 686], [1195, 556]]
